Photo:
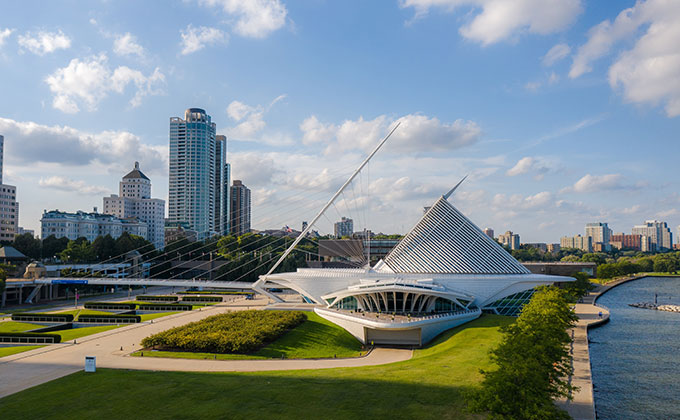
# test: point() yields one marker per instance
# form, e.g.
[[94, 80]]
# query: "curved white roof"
[[444, 241]]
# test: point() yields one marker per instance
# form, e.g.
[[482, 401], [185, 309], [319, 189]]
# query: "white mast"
[[323, 210]]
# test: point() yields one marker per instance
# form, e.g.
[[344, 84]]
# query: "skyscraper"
[[134, 201], [9, 208], [659, 234], [489, 232], [198, 174], [240, 208], [345, 227], [509, 239], [600, 232]]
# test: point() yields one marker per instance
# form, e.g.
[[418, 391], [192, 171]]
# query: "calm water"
[[635, 357]]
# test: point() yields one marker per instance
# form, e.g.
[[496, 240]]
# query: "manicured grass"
[[314, 339], [16, 326], [8, 351], [149, 317], [74, 333], [77, 312], [429, 386]]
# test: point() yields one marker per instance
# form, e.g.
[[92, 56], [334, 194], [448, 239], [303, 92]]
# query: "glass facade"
[[510, 305]]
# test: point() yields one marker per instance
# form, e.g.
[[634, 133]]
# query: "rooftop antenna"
[[258, 284]]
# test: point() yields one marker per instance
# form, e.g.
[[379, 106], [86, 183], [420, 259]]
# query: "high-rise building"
[[9, 208], [509, 239], [624, 241], [584, 243], [345, 227], [600, 233], [240, 208], [489, 232], [134, 200], [199, 174], [660, 236]]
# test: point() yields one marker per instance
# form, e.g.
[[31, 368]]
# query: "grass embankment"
[[8, 351], [15, 326], [429, 386], [313, 339]]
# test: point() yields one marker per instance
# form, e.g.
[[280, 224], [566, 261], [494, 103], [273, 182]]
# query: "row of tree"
[[533, 362], [660, 263], [81, 250]]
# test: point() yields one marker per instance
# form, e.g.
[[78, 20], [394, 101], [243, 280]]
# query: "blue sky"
[[562, 112]]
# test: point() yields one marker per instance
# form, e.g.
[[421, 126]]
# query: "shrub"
[[110, 306], [234, 332], [201, 299], [36, 317], [27, 337], [158, 298], [166, 307], [110, 319]]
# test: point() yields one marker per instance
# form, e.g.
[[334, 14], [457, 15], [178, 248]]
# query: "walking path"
[[111, 348], [582, 407]]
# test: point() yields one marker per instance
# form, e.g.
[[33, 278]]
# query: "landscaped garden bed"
[[234, 332]]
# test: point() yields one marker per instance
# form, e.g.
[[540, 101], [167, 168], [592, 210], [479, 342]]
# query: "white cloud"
[[537, 165], [43, 43], [555, 54], [4, 34], [505, 19], [417, 133], [29, 143], [127, 45], [90, 80], [250, 120], [254, 18], [65, 184], [648, 73], [195, 39], [514, 202], [594, 183]]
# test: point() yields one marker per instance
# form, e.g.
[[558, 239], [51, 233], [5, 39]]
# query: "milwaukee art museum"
[[443, 273]]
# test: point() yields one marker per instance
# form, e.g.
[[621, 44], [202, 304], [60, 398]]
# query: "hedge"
[[110, 306], [214, 292], [29, 338], [158, 298], [166, 307], [42, 317], [201, 299], [110, 319], [234, 332]]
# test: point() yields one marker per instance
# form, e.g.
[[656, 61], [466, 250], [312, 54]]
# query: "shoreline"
[[582, 407]]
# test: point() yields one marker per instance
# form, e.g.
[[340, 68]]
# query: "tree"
[[533, 362], [104, 247], [598, 258], [78, 251], [607, 271], [28, 245], [3, 280], [580, 287], [51, 246]]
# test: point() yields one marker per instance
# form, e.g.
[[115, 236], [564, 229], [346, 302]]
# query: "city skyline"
[[547, 130]]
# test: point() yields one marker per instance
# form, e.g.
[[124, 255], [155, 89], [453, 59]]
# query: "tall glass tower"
[[198, 171]]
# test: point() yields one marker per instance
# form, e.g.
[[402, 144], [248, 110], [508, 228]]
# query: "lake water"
[[635, 357]]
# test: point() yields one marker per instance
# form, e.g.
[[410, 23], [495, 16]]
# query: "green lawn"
[[77, 312], [7, 351], [149, 317], [315, 338], [15, 326], [74, 333], [429, 386]]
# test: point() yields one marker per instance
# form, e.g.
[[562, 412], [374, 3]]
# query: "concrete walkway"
[[112, 349]]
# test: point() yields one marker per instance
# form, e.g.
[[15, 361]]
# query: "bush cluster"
[[166, 307], [235, 332], [37, 317], [158, 298], [110, 306], [110, 319], [201, 299], [27, 337]]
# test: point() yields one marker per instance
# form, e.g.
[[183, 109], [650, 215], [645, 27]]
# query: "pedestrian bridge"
[[105, 281]]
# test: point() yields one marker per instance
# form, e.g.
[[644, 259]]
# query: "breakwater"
[[656, 307]]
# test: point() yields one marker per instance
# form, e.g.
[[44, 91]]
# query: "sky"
[[561, 112]]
